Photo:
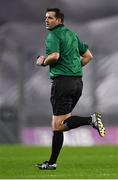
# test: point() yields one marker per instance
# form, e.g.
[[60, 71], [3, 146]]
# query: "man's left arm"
[[86, 58]]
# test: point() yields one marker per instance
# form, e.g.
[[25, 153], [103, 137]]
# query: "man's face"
[[51, 21]]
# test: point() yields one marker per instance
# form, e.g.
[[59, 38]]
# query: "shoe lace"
[[44, 164], [94, 121]]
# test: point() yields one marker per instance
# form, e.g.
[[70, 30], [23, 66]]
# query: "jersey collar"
[[60, 25]]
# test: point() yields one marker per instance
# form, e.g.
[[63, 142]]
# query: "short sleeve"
[[82, 47], [52, 44]]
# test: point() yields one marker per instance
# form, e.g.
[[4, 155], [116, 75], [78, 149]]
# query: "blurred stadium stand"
[[25, 88]]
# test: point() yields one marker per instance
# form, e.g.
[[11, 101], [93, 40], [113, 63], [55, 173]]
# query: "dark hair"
[[58, 13]]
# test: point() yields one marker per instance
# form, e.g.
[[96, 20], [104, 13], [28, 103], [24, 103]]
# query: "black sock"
[[57, 142], [77, 121]]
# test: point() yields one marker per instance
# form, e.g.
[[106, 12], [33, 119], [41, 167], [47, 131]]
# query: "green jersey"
[[60, 39]]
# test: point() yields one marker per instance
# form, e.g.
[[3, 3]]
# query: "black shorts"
[[65, 93]]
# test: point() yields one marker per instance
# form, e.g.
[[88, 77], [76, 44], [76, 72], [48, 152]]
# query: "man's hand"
[[50, 59], [40, 61]]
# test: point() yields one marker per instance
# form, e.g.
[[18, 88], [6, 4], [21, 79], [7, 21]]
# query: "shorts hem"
[[60, 114]]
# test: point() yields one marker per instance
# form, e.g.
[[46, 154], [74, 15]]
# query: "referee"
[[66, 54]]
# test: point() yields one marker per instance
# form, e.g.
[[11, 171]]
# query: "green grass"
[[74, 162]]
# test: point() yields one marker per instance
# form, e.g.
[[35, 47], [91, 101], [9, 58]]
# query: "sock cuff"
[[70, 122], [57, 132]]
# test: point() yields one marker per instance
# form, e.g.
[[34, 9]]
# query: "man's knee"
[[56, 126], [57, 121]]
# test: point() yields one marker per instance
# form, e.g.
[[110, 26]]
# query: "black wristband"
[[43, 63], [38, 56]]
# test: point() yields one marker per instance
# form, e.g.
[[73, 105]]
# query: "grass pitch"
[[18, 162]]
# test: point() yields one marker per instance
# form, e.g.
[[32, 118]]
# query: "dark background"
[[25, 88]]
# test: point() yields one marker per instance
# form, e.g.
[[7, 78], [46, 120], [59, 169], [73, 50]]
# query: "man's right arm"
[[51, 58]]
